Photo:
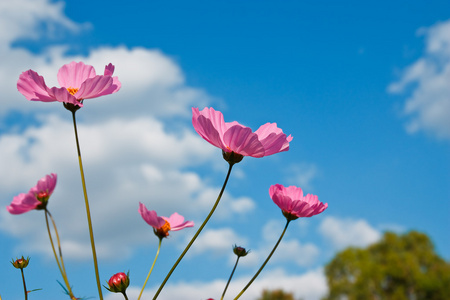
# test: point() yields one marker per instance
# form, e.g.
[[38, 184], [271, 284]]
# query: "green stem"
[[88, 212], [151, 269], [196, 234], [59, 261], [265, 262], [24, 285], [229, 279], [123, 293]]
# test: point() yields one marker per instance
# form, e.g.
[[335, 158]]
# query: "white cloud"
[[310, 285], [217, 242], [295, 252], [302, 175], [428, 106], [289, 250], [130, 152], [348, 232], [19, 19], [152, 83], [125, 162]]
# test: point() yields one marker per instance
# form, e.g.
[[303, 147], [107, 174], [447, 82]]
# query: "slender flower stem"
[[196, 234], [151, 269], [88, 212], [265, 262], [59, 261], [124, 295], [229, 279], [24, 285]]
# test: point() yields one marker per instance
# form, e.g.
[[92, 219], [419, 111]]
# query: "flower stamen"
[[163, 231], [72, 90]]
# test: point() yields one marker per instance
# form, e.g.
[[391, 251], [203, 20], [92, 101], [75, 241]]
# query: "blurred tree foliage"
[[399, 267], [276, 295]]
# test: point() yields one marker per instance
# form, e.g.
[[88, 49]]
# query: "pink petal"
[[176, 222], [94, 87], [109, 70], [206, 129], [285, 146], [74, 74], [151, 217], [62, 95], [273, 139], [242, 140], [47, 183], [23, 203], [115, 87], [33, 87], [293, 192]]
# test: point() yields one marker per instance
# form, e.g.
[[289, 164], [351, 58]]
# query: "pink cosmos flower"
[[77, 80], [234, 137], [36, 198], [293, 204], [162, 225]]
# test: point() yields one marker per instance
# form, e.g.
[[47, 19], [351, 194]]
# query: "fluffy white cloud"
[[125, 162], [428, 105], [20, 19], [310, 285], [348, 232], [152, 83], [130, 152], [290, 250]]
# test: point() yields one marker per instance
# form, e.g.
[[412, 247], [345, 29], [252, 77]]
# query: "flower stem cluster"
[[79, 82]]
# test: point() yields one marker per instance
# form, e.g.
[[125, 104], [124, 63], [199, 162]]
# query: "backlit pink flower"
[[36, 198], [234, 137], [293, 204], [162, 225], [77, 80]]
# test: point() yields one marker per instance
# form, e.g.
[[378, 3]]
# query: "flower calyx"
[[232, 157], [20, 263], [240, 251]]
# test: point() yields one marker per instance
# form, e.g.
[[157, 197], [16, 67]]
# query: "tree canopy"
[[398, 267], [276, 295]]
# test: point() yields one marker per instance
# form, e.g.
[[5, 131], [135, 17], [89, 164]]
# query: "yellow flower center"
[[72, 90], [166, 227], [163, 231]]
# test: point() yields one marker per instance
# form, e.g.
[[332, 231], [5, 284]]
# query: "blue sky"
[[363, 88]]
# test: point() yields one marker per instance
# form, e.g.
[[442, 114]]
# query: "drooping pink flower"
[[77, 80], [36, 198], [293, 204], [234, 137], [162, 225]]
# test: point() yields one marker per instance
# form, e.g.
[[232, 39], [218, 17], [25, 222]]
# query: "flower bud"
[[119, 282], [240, 251], [20, 263]]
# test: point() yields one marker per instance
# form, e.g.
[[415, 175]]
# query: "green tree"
[[399, 267], [276, 295]]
